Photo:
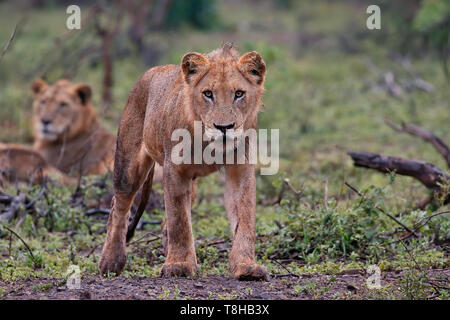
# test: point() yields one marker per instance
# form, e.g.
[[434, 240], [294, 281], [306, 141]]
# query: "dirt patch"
[[344, 286]]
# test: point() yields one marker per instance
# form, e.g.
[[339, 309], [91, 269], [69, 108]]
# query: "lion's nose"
[[46, 122], [224, 128]]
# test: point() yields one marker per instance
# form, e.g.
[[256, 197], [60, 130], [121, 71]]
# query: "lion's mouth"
[[48, 134], [229, 135]]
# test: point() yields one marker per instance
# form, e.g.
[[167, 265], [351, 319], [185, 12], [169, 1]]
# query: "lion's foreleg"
[[181, 259], [240, 203]]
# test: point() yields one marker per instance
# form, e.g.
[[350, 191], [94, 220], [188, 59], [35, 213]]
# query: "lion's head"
[[61, 111], [225, 89]]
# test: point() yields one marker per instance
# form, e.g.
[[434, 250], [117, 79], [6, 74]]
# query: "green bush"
[[197, 13]]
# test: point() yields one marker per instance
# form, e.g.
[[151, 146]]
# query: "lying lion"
[[68, 137], [67, 132], [222, 90]]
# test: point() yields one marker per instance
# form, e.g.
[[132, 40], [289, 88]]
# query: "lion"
[[223, 90], [21, 163], [67, 132]]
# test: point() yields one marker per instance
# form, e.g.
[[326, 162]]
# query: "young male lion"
[[222, 90]]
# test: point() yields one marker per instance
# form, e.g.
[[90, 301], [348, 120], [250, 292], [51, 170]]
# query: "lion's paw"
[[250, 271], [178, 269], [112, 261]]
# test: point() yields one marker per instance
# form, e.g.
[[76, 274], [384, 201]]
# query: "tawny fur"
[[67, 132], [73, 141], [19, 163], [172, 97]]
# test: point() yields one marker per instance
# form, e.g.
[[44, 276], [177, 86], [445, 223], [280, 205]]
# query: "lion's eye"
[[239, 94], [62, 105], [208, 94]]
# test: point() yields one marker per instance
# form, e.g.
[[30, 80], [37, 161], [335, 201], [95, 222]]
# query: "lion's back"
[[163, 82]]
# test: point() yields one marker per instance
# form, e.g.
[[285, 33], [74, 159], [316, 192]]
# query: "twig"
[[142, 223], [419, 225], [382, 210], [91, 212], [93, 249], [396, 220], [144, 236], [427, 136], [299, 194], [281, 265], [212, 243], [11, 38], [6, 199], [23, 241], [275, 275], [354, 189]]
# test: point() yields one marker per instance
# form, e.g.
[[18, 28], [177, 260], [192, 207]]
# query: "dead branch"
[[417, 81], [92, 212], [5, 198], [215, 242], [428, 174], [145, 236], [427, 219], [15, 205], [23, 241], [8, 44], [142, 223], [391, 86], [299, 194], [427, 136]]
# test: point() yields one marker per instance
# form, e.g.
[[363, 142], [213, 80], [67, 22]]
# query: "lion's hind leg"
[[130, 173]]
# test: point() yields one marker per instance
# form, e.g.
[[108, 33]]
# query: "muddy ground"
[[351, 285]]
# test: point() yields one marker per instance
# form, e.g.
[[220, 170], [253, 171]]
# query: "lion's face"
[[226, 91], [60, 111]]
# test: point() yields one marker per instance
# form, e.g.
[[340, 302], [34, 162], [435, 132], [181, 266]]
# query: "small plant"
[[165, 295], [414, 285], [43, 287], [34, 261]]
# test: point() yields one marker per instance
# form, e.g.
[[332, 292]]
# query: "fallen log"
[[428, 174]]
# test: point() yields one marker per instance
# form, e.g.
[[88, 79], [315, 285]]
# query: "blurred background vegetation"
[[330, 84]]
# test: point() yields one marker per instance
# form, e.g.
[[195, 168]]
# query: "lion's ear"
[[84, 92], [194, 65], [38, 86], [253, 67]]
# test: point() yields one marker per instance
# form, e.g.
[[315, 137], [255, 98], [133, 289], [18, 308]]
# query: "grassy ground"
[[325, 100]]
